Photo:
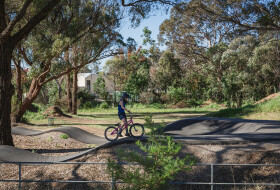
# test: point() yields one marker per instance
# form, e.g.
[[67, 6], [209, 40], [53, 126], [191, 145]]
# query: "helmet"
[[125, 95]]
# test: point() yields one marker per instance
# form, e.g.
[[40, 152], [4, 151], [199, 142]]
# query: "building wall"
[[83, 79]]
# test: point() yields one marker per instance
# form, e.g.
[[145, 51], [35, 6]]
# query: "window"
[[88, 85]]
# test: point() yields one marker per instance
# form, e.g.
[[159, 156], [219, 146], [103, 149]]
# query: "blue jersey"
[[120, 108]]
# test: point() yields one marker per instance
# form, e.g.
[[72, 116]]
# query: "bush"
[[64, 136], [104, 105], [193, 103], [87, 105], [159, 163], [146, 97], [62, 102], [157, 106], [84, 97], [176, 94], [158, 159]]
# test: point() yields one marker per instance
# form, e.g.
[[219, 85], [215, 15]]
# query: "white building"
[[86, 80]]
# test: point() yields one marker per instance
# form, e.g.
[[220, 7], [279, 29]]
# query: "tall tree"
[[14, 26]]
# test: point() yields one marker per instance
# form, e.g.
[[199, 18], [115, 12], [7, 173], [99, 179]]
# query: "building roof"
[[85, 75]]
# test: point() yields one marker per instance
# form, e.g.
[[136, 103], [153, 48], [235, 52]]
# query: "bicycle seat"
[[118, 124]]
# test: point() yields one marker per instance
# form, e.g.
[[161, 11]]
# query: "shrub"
[[176, 94], [104, 105], [158, 162], [64, 136], [62, 102], [87, 105], [146, 97], [84, 97]]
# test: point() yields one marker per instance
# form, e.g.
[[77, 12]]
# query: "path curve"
[[207, 130], [73, 132], [14, 154]]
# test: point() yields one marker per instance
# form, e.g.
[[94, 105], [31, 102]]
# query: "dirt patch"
[[267, 98], [54, 111]]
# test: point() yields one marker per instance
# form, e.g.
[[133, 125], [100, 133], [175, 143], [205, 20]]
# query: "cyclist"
[[121, 113]]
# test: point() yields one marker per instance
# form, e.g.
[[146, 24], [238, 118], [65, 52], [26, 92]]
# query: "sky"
[[152, 23]]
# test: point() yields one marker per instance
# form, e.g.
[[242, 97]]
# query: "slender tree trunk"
[[69, 93], [19, 87], [6, 92], [75, 90]]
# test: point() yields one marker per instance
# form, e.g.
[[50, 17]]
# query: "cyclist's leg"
[[124, 121]]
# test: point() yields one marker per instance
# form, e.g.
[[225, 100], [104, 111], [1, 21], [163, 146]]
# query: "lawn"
[[98, 119]]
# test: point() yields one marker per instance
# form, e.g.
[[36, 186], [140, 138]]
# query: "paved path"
[[13, 154], [194, 130], [223, 130], [73, 132]]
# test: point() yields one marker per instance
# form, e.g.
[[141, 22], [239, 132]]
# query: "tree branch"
[[34, 21], [22, 52], [148, 1], [20, 15]]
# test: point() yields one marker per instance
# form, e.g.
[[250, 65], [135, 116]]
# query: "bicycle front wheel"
[[136, 130], [111, 133]]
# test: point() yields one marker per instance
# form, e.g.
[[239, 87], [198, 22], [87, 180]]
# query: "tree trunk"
[[69, 93], [6, 92], [34, 91], [19, 87], [75, 90]]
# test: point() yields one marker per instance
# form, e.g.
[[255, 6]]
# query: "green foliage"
[[30, 115], [168, 72], [176, 94], [158, 161], [87, 100], [99, 87], [104, 105], [64, 136], [158, 164], [270, 106]]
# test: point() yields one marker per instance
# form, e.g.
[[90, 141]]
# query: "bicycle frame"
[[124, 127]]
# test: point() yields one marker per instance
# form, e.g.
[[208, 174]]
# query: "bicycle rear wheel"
[[111, 133], [136, 130]]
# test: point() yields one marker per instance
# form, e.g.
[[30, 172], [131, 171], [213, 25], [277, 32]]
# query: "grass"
[[269, 109], [101, 118]]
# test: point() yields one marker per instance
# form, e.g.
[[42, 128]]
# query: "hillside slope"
[[267, 109]]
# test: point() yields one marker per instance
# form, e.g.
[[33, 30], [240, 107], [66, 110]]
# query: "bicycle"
[[136, 130]]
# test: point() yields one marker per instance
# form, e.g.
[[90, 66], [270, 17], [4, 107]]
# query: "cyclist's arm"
[[121, 104]]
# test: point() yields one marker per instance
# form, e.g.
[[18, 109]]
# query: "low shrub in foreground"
[[158, 162]]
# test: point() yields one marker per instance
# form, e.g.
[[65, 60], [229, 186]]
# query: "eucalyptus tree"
[[238, 77], [246, 15], [214, 71], [190, 30], [168, 72], [265, 64], [15, 25]]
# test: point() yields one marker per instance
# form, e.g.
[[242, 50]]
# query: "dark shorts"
[[121, 116]]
